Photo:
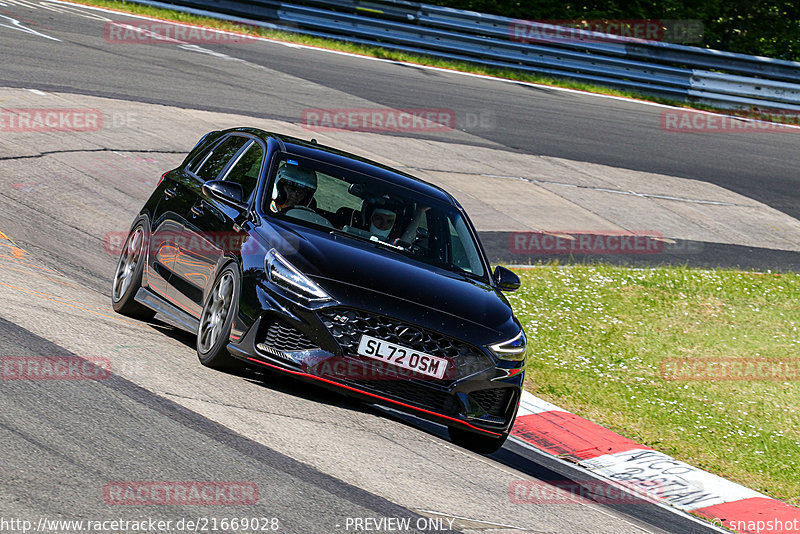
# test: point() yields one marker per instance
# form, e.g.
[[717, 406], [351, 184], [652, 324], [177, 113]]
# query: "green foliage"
[[764, 28]]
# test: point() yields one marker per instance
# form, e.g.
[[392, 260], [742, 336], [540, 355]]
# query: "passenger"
[[294, 186]]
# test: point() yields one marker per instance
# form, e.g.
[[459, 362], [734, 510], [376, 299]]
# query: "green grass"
[[375, 51], [597, 338]]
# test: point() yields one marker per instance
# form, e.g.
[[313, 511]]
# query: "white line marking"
[[21, 3], [16, 25], [146, 32], [37, 92], [201, 50], [72, 10]]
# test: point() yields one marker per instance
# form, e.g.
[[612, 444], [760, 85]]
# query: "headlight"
[[513, 349], [284, 274]]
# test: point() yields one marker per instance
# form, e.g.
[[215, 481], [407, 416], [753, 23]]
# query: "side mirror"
[[229, 193], [505, 279], [357, 190]]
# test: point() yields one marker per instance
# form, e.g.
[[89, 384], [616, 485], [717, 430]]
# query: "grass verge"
[[375, 51], [599, 337]]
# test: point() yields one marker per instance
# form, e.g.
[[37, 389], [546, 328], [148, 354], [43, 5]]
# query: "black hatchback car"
[[310, 261]]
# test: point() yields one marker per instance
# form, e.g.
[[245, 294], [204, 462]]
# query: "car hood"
[[370, 276]]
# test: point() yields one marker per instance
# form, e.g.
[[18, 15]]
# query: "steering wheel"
[[307, 214], [303, 208]]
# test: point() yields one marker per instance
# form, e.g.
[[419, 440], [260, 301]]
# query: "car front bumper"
[[319, 344]]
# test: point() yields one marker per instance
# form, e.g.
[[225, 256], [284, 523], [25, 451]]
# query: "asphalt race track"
[[278, 82], [522, 158]]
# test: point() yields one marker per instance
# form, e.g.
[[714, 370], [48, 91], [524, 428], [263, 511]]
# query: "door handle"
[[197, 209]]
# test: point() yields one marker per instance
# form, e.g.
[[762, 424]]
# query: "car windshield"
[[362, 207]]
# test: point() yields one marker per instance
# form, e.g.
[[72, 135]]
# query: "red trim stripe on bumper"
[[343, 386]]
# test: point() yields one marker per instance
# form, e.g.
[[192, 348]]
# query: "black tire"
[[216, 319], [128, 276], [480, 443]]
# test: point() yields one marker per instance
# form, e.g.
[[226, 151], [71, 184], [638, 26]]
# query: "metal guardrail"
[[664, 69]]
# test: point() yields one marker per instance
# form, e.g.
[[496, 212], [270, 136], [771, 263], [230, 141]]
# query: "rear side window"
[[332, 194], [212, 164], [247, 168]]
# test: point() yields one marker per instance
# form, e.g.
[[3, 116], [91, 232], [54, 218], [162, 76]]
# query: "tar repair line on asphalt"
[[556, 432]]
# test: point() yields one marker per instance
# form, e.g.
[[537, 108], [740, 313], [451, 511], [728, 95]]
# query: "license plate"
[[401, 356]]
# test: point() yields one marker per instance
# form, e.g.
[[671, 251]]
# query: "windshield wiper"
[[375, 240], [453, 268], [355, 235], [348, 234], [449, 267], [370, 239]]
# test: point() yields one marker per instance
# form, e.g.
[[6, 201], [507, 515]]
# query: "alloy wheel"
[[128, 262], [215, 313]]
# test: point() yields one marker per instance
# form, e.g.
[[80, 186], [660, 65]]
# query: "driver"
[[382, 215], [381, 222], [294, 186]]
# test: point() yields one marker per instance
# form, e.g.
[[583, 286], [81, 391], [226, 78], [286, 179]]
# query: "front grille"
[[347, 325], [280, 336], [494, 401], [411, 392]]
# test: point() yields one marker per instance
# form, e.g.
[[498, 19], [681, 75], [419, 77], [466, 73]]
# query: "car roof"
[[347, 160]]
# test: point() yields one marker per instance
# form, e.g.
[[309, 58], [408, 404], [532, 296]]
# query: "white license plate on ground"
[[401, 356]]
